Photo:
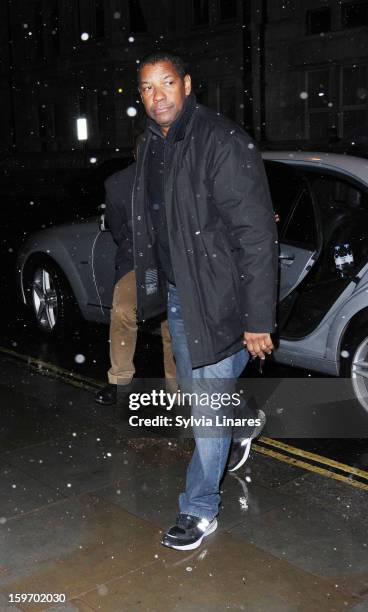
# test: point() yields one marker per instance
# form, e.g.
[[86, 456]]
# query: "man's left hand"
[[258, 344]]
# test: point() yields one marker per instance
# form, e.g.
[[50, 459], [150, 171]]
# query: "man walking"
[[123, 323], [205, 248]]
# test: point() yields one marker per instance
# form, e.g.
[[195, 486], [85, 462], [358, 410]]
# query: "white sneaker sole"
[[244, 457], [210, 529], [256, 433]]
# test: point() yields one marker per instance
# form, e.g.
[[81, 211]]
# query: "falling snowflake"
[[243, 503], [131, 111], [303, 95], [344, 354], [79, 358], [102, 589], [84, 36], [131, 39], [93, 160]]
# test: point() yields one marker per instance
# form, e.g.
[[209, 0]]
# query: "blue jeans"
[[201, 497]]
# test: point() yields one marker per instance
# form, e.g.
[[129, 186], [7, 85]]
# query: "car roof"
[[355, 167]]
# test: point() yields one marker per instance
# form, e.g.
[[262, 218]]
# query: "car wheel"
[[355, 366], [50, 298]]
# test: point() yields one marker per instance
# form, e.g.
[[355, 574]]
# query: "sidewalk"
[[83, 509]]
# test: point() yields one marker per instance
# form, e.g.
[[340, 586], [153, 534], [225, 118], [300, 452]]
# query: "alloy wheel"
[[359, 373], [44, 299]]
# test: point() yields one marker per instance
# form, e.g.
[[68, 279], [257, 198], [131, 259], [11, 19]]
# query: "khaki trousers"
[[123, 335]]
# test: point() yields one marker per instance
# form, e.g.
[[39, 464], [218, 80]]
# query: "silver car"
[[321, 201]]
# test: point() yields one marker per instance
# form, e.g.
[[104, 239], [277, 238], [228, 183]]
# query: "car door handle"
[[287, 258]]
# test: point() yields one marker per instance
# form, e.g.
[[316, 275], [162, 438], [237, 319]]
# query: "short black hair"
[[165, 56]]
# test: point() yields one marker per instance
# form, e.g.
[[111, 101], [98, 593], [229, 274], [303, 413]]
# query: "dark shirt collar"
[[177, 130]]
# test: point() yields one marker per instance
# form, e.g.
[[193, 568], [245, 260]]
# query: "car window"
[[344, 215], [301, 226], [286, 186]]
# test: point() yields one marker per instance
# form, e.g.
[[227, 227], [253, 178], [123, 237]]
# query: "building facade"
[[292, 72], [316, 72], [73, 59]]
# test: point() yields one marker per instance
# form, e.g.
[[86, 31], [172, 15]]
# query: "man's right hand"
[[258, 344]]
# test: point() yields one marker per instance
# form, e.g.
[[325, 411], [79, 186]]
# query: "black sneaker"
[[241, 448], [124, 391], [188, 532], [107, 395]]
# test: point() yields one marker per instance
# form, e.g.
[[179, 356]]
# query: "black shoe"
[[107, 395], [188, 532], [125, 390], [241, 448]]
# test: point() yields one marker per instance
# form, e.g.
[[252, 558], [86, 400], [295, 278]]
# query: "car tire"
[[50, 299], [354, 363]]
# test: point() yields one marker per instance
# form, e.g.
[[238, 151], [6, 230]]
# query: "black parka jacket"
[[222, 234], [118, 202]]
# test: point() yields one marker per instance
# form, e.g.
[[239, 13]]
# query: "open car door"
[[300, 236]]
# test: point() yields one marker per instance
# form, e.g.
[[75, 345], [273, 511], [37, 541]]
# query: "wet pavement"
[[84, 506]]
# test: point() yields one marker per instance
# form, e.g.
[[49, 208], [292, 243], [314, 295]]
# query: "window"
[[100, 18], [354, 85], [138, 22], [344, 215], [354, 96], [301, 227], [46, 126], [79, 12], [286, 185], [318, 112], [354, 14], [38, 25], [227, 9], [54, 28], [102, 117], [318, 88], [352, 120], [82, 100], [319, 126], [200, 12], [318, 20], [227, 100]]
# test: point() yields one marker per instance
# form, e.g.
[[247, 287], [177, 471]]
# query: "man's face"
[[163, 92]]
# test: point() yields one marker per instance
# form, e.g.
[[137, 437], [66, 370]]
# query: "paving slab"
[[104, 557], [222, 576], [84, 462], [269, 472], [72, 546], [21, 493], [311, 537], [348, 501], [28, 420]]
